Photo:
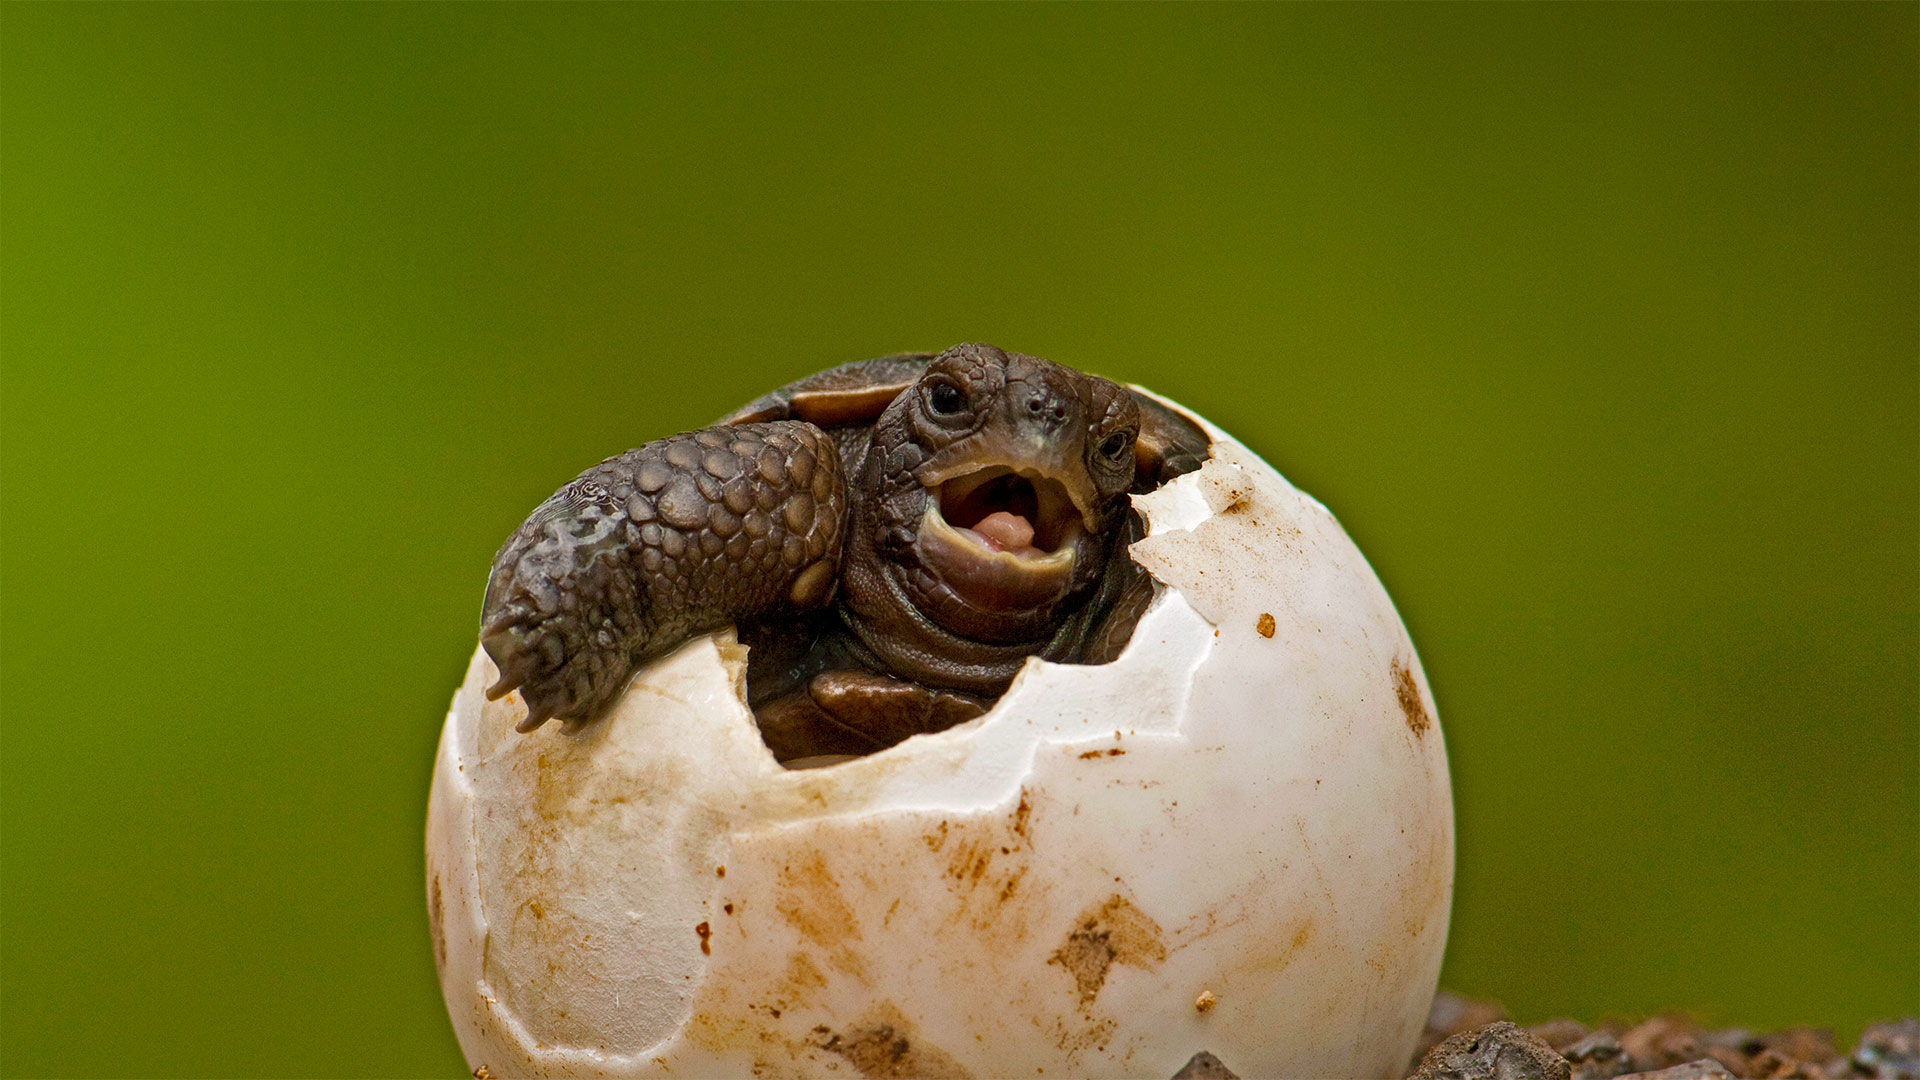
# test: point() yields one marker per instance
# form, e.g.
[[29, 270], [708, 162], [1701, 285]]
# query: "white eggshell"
[[1250, 804]]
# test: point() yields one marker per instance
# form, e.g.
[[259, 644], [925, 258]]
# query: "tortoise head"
[[995, 488]]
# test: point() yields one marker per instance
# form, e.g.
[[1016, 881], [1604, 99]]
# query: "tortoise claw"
[[535, 717], [553, 680], [514, 663]]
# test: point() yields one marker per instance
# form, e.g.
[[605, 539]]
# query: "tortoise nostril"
[[1047, 408]]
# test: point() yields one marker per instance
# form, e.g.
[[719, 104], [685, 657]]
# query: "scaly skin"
[[645, 550]]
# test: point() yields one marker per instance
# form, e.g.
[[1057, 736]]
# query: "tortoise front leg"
[[645, 550]]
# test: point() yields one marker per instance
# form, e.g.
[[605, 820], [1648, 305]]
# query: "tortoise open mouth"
[[1023, 513], [1001, 538]]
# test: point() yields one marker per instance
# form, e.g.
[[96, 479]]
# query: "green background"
[[1595, 325]]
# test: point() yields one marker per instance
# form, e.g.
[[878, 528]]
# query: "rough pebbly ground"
[[1469, 1039], [1472, 1039]]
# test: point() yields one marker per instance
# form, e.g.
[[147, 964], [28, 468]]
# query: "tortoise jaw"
[[1002, 539]]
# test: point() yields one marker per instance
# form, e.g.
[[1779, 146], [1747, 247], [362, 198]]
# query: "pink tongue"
[[1005, 532]]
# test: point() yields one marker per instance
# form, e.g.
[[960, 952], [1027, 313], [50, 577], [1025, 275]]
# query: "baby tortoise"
[[893, 537]]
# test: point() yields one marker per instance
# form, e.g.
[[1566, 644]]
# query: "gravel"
[[1472, 1038]]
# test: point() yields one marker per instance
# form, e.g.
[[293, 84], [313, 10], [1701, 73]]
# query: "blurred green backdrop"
[[1595, 325]]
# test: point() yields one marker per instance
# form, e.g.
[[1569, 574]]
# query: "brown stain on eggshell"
[[811, 903], [1271, 941], [1232, 495], [802, 978], [435, 922], [884, 1044], [1074, 1039], [970, 860], [1264, 626], [1407, 692], [1424, 886], [985, 867], [1272, 952], [1114, 931], [1011, 884], [724, 1030], [752, 1025]]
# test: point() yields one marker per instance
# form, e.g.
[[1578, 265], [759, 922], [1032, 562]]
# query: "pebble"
[[1499, 1051]]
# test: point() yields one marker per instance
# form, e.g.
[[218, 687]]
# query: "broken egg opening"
[[1249, 807]]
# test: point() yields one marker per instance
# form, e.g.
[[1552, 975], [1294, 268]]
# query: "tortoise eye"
[[1116, 445], [946, 398]]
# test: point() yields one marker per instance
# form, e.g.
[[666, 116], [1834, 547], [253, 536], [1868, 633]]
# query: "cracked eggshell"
[[1237, 838]]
